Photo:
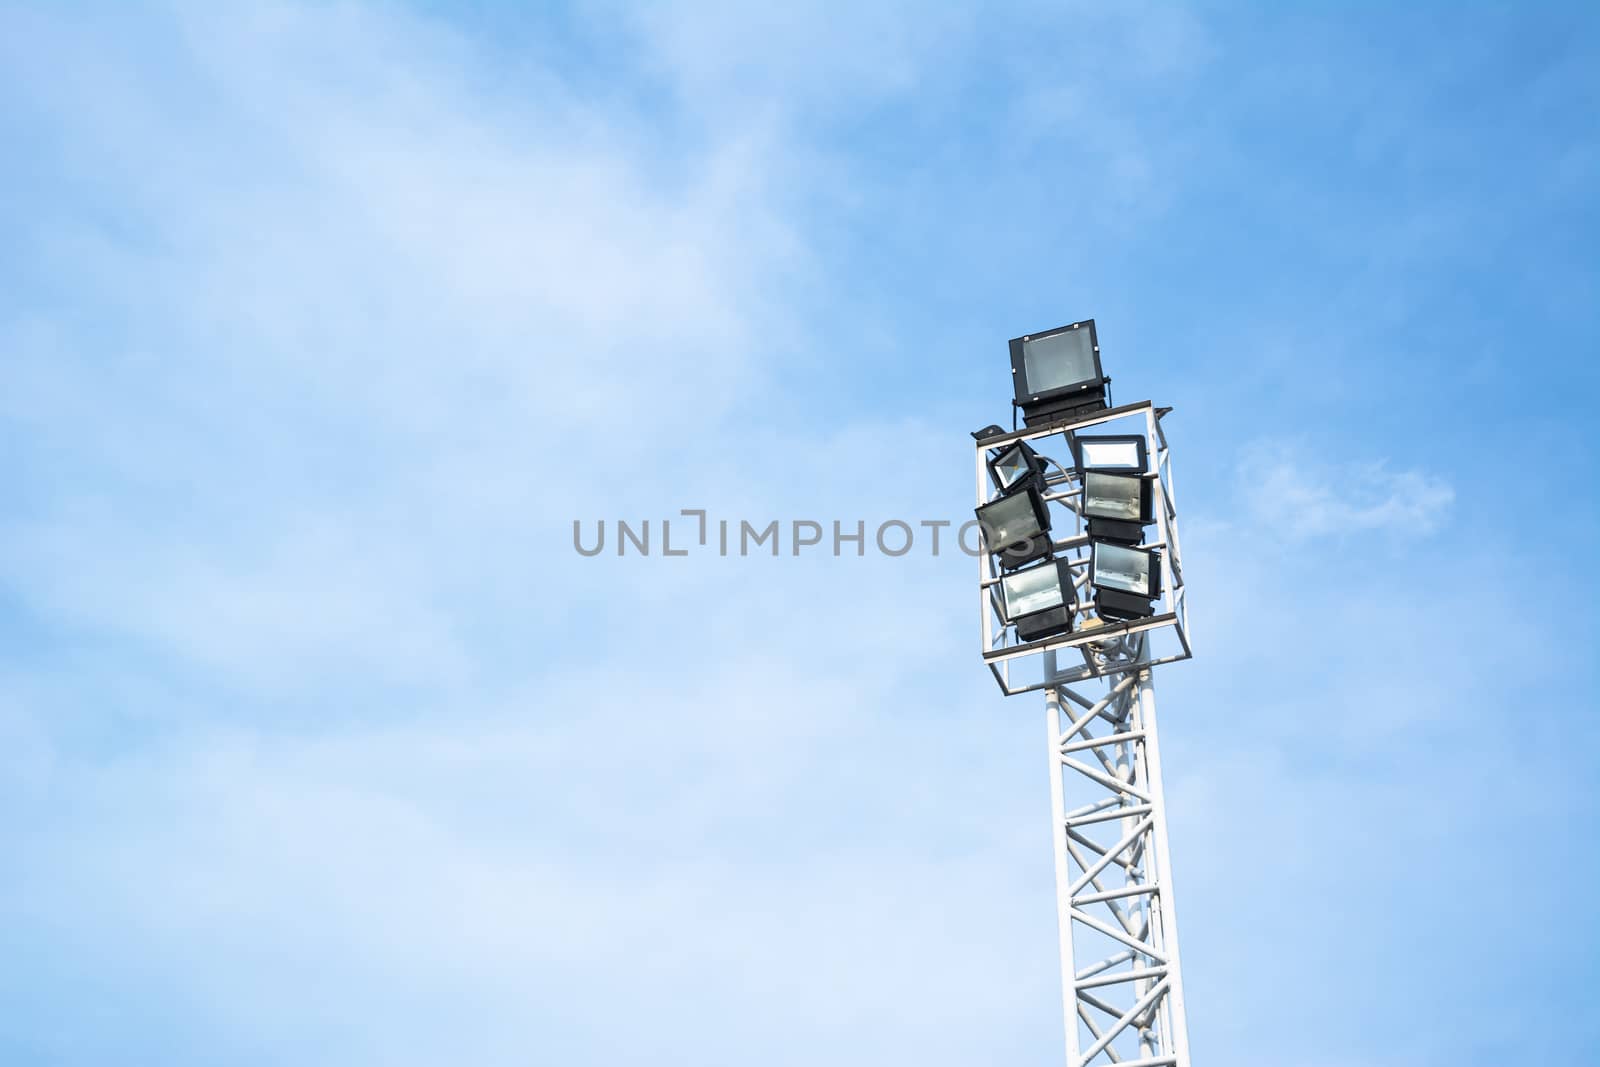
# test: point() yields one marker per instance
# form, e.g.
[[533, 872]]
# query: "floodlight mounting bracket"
[[1021, 666]]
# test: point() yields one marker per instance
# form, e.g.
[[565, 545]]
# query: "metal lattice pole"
[[1122, 988]]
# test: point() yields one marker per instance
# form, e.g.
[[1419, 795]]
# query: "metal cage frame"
[[1164, 637]]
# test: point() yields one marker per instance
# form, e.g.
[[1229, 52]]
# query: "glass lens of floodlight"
[[1127, 569], [1057, 361], [1012, 464], [1112, 496], [1032, 590], [1117, 455], [1009, 520]]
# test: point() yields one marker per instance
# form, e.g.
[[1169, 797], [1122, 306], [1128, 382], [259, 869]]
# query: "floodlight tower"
[[1082, 596]]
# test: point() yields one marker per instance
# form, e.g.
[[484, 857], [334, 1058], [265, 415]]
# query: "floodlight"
[[1118, 506], [1017, 467], [1016, 528], [1056, 374], [1123, 452], [1039, 601], [1126, 580]]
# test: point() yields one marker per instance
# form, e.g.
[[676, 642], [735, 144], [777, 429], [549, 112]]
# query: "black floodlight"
[[1017, 467], [1126, 580], [1039, 601], [1056, 374], [1118, 506], [1120, 452], [987, 432], [1016, 528]]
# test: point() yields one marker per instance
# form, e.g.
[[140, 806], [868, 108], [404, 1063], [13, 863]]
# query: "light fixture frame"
[[1138, 440], [1038, 545], [1040, 407], [1034, 478], [1114, 603], [1152, 587], [1068, 608], [1118, 530]]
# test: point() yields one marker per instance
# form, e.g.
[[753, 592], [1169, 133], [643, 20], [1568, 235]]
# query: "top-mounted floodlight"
[[1017, 467], [1056, 374], [1121, 453], [1016, 528]]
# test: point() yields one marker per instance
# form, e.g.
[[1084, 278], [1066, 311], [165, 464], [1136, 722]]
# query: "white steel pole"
[[1179, 1036], [1058, 833], [1116, 887]]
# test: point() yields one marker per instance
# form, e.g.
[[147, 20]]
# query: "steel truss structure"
[[1122, 988]]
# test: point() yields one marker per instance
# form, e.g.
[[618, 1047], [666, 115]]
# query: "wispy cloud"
[[314, 372], [295, 453], [1302, 497]]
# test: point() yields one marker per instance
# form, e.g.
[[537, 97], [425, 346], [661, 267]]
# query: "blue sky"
[[321, 323]]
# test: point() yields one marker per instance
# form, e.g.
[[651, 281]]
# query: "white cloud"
[[781, 59], [1305, 498], [353, 320], [363, 334]]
